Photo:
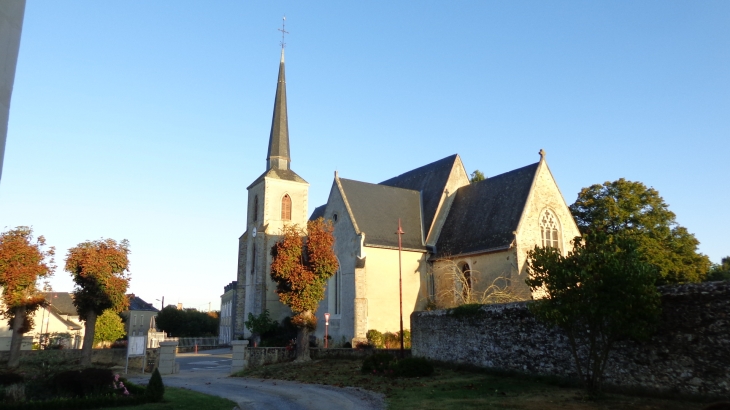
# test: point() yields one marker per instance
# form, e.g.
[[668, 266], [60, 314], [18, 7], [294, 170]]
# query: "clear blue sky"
[[148, 120]]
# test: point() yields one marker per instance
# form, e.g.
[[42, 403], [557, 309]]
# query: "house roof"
[[484, 215], [62, 302], [276, 173], [136, 303], [377, 208], [318, 212], [431, 181]]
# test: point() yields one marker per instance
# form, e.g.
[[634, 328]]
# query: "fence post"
[[240, 361]]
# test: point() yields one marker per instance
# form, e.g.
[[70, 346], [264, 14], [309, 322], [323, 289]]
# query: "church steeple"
[[278, 157]]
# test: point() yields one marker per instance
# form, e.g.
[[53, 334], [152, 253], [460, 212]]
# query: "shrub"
[[375, 338], [363, 345], [391, 340], [413, 367], [8, 378], [86, 382], [155, 389], [379, 363]]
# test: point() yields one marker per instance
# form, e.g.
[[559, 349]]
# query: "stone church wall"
[[688, 354]]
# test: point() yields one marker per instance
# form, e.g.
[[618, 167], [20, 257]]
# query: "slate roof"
[[136, 303], [376, 209], [279, 137], [318, 212], [62, 302], [484, 215], [431, 181], [285, 174]]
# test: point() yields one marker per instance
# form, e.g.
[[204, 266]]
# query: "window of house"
[[286, 208], [550, 230], [466, 281], [255, 208]]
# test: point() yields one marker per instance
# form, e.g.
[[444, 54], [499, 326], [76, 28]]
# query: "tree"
[[600, 292], [721, 271], [477, 176], [301, 267], [187, 322], [109, 327], [22, 263], [100, 272], [633, 209]]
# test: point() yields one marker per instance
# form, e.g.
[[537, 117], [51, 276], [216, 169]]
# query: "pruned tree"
[[301, 266], [22, 262], [632, 209], [109, 327], [100, 270], [602, 291]]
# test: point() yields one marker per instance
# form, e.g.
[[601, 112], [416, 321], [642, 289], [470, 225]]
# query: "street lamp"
[[326, 326]]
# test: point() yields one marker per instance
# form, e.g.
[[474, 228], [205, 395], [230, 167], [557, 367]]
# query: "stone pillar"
[[167, 357], [240, 356]]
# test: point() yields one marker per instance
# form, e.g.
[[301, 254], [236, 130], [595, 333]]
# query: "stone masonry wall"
[[690, 352]]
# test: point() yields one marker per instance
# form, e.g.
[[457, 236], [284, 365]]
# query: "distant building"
[[228, 314], [138, 318], [57, 318]]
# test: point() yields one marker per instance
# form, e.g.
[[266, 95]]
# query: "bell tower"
[[276, 199]]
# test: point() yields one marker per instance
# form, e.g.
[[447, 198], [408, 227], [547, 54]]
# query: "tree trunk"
[[88, 339], [17, 339], [303, 340]]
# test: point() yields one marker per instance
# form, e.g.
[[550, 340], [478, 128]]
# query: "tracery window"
[[255, 208], [550, 230], [286, 208]]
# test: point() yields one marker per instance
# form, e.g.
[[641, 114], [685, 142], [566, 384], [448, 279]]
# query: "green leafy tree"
[[632, 209], [600, 292], [477, 176], [22, 262], [100, 270], [109, 328], [301, 267], [721, 271], [187, 322]]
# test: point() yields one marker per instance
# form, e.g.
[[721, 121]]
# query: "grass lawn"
[[181, 399], [451, 389]]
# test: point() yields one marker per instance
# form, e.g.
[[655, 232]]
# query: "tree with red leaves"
[[300, 267], [100, 270], [22, 263]]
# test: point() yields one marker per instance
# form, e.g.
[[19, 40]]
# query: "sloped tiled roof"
[[318, 212], [431, 181], [62, 302], [376, 209], [484, 215], [285, 174], [136, 303]]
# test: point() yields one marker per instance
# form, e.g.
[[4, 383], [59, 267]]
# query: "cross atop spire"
[[283, 31]]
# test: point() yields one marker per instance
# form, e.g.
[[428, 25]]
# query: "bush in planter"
[[413, 367], [155, 389]]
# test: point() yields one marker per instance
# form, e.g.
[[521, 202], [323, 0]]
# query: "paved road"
[[207, 372]]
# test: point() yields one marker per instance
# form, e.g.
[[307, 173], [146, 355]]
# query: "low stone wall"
[[690, 352], [261, 356], [101, 357]]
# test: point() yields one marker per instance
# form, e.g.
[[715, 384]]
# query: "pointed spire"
[[278, 156]]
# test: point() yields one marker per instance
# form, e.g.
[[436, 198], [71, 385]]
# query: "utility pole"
[[400, 285]]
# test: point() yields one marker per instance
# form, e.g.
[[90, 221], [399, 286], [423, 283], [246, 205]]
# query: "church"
[[461, 241]]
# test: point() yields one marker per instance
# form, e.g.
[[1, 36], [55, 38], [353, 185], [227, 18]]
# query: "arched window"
[[466, 281], [255, 208], [338, 290], [286, 208], [550, 229]]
